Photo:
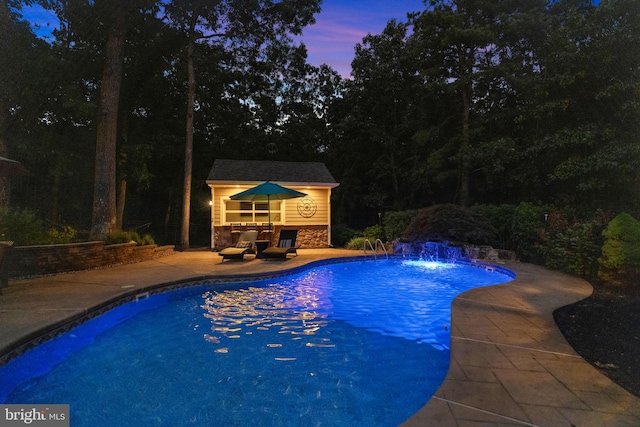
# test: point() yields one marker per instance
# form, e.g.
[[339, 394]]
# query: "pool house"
[[310, 215]]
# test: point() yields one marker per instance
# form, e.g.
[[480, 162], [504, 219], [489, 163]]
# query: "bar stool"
[[266, 231], [236, 229]]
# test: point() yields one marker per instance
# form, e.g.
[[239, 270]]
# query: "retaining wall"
[[51, 259]]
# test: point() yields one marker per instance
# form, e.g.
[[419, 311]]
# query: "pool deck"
[[510, 364]]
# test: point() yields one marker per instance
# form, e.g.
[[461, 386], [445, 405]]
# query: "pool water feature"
[[357, 343]]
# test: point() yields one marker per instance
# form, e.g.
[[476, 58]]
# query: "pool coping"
[[510, 364]]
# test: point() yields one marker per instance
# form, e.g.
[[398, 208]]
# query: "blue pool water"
[[347, 344]]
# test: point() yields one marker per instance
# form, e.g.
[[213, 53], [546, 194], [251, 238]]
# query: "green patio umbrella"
[[268, 191]]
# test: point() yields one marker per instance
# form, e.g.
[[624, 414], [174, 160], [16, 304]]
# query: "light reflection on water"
[[292, 310], [429, 265]]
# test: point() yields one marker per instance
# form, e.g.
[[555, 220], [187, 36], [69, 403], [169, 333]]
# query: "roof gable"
[[224, 171]]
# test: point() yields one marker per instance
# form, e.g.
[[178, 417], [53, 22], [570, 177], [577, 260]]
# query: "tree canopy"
[[466, 101]]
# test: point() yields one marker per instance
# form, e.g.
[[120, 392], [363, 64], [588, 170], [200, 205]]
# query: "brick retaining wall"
[[51, 259]]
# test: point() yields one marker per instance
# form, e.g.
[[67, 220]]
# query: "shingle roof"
[[246, 171]]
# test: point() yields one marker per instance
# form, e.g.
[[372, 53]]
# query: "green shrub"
[[501, 218], [341, 234], [373, 233], [573, 244], [64, 234], [549, 236], [147, 239], [620, 260], [120, 236], [21, 226], [396, 222], [116, 237], [449, 222], [528, 229], [356, 243]]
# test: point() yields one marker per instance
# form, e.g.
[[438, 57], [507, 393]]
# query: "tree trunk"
[[188, 152], [54, 193], [104, 193], [122, 196], [465, 167], [5, 182], [7, 39]]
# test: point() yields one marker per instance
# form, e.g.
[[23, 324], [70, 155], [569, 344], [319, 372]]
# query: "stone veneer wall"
[[309, 236], [50, 259], [312, 236]]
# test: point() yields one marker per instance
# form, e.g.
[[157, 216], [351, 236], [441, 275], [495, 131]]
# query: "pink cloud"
[[344, 23]]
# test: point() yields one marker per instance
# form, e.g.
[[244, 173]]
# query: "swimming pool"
[[351, 343]]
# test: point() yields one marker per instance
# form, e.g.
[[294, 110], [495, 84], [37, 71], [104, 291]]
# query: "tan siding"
[[291, 214], [321, 217]]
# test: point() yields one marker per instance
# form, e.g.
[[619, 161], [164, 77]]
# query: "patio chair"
[[286, 245], [246, 242]]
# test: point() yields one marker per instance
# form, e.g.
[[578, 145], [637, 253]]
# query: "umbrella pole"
[[269, 217]]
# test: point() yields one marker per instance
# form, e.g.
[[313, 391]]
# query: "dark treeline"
[[466, 102]]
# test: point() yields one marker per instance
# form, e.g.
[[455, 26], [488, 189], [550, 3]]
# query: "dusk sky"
[[332, 39], [339, 27], [343, 23]]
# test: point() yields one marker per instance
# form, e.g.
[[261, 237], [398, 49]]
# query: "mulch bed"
[[605, 330]]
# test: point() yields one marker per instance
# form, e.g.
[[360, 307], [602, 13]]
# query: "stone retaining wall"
[[51, 259], [479, 253]]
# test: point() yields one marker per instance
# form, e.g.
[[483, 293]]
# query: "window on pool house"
[[258, 212]]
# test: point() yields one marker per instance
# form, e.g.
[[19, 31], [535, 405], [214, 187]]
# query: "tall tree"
[[148, 107], [386, 102], [104, 196], [590, 103], [47, 116], [253, 30], [12, 48], [304, 126], [459, 47]]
